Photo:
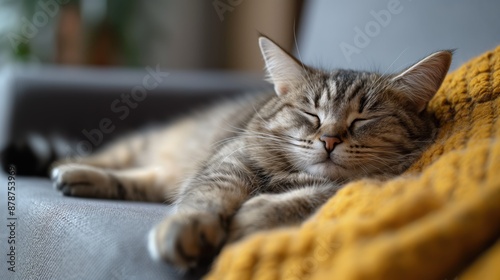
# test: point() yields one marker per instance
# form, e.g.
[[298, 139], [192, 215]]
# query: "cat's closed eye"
[[357, 123], [315, 118]]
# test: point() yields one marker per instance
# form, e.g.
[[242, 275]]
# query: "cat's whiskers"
[[377, 168], [380, 162], [270, 157], [243, 133], [377, 87], [398, 155], [237, 150], [258, 114], [306, 72]]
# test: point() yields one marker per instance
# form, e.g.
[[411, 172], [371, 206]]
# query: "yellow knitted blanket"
[[439, 220]]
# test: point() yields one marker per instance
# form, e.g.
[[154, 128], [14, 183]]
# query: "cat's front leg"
[[267, 211], [203, 210], [198, 228], [187, 239]]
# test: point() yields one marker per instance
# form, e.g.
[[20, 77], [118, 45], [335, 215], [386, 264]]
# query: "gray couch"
[[61, 237]]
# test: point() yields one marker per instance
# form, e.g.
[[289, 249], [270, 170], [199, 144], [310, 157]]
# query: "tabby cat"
[[268, 160]]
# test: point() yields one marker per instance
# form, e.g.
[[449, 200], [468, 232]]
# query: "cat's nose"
[[330, 142]]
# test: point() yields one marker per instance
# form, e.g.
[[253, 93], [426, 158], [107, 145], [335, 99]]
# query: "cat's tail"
[[33, 155]]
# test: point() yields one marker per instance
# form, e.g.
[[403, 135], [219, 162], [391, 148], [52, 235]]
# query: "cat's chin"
[[327, 169]]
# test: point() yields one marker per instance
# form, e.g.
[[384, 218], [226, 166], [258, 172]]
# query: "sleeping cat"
[[268, 160]]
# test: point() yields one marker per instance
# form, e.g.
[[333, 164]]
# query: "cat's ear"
[[283, 69], [422, 80]]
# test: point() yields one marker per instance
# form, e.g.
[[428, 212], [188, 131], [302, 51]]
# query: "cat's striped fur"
[[266, 160]]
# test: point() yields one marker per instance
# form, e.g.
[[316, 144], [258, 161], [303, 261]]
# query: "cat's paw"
[[254, 215], [82, 180], [185, 240]]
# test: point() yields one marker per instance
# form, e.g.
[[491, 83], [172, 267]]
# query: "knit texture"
[[436, 221]]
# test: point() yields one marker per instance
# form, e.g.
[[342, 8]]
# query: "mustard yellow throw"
[[439, 220]]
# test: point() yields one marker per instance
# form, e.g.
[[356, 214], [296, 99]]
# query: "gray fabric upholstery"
[[61, 237]]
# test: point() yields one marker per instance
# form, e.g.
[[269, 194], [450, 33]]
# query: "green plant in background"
[[119, 14], [10, 48], [115, 26], [28, 30], [27, 33]]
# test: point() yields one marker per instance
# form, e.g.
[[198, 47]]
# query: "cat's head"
[[347, 124]]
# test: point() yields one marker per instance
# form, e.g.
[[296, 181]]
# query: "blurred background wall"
[[188, 34], [222, 34], [388, 35]]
